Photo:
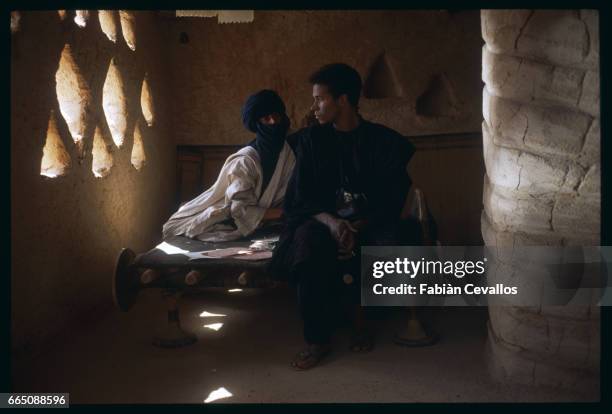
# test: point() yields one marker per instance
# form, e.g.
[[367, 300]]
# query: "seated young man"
[[347, 189], [250, 182]]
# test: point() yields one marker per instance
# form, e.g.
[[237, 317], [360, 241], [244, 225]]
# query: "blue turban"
[[270, 138], [260, 104]]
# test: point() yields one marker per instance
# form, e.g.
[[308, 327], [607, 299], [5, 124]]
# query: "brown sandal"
[[310, 357]]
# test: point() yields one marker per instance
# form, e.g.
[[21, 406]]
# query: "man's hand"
[[359, 224], [343, 232], [346, 246], [272, 214]]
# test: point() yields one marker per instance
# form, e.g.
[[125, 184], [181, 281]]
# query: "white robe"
[[235, 194]]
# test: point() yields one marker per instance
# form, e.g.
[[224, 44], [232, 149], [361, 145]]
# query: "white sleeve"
[[242, 195]]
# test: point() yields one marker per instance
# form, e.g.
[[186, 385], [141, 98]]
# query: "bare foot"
[[310, 357]]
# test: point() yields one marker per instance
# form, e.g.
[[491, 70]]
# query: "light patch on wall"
[[381, 81], [102, 161], [108, 24], [72, 94], [128, 29], [114, 103], [146, 101], [15, 20], [62, 14], [138, 153], [56, 160], [81, 17]]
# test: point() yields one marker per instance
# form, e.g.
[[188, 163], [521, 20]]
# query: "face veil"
[[269, 139]]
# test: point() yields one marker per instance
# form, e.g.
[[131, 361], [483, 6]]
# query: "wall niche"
[[381, 81], [438, 100]]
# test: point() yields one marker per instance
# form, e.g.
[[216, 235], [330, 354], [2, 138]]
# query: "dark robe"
[[375, 159]]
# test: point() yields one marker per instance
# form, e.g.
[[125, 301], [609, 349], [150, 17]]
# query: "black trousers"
[[317, 273]]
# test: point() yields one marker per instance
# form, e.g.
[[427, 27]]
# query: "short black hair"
[[339, 78]]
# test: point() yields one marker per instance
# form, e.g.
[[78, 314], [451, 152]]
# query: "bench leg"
[[172, 335], [414, 334]]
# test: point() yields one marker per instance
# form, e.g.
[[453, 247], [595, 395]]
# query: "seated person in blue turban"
[[251, 181]]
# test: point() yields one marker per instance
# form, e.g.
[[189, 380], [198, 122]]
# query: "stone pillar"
[[541, 144]]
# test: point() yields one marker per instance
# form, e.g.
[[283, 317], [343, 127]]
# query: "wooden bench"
[[175, 273]]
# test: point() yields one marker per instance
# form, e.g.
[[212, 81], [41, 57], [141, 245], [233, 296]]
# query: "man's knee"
[[312, 229], [315, 238], [403, 232]]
